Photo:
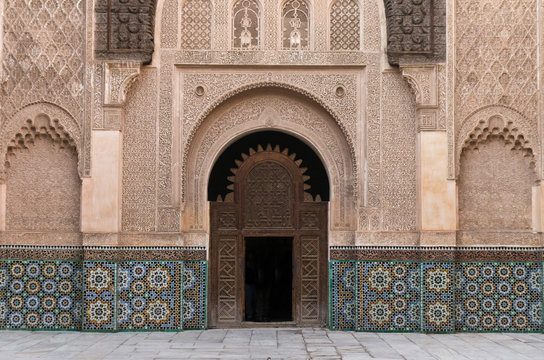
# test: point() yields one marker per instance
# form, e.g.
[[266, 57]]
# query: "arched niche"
[[257, 110], [58, 117], [479, 120], [43, 185], [496, 178]]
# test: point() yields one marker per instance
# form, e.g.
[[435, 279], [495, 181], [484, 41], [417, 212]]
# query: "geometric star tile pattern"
[[389, 296], [40, 294], [148, 295], [103, 296], [436, 296], [499, 296]]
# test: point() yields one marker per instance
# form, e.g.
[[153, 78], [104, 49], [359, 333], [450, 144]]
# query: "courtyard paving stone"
[[267, 344]]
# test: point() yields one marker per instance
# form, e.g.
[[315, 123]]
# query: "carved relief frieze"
[[269, 57]]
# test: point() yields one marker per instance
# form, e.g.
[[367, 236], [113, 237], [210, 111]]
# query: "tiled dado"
[[438, 295], [103, 295]]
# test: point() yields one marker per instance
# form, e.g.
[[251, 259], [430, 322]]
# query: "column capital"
[[119, 77], [423, 80]]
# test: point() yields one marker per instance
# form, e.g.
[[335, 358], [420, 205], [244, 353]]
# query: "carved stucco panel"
[[495, 185], [423, 81], [43, 55], [271, 20], [495, 61], [374, 28], [450, 86]]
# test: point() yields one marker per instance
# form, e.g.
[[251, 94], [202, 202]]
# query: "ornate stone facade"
[[425, 114]]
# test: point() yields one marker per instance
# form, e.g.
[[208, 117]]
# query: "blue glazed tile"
[[148, 295], [343, 294], [438, 304], [194, 280], [389, 296], [40, 295], [499, 296], [99, 296]]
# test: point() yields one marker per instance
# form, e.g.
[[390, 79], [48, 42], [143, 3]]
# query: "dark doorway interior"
[[269, 279], [318, 180]]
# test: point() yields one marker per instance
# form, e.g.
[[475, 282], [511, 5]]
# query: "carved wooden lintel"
[[415, 31], [124, 30]]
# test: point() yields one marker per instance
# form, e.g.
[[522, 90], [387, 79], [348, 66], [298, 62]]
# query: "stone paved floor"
[[267, 343]]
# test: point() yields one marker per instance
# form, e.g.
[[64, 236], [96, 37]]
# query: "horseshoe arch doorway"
[[268, 194]]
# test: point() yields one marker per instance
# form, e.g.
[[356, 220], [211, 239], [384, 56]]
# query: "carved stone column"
[[3, 205], [101, 193], [538, 207], [437, 196]]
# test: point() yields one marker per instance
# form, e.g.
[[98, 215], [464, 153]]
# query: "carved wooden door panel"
[[224, 272], [313, 263], [268, 201]]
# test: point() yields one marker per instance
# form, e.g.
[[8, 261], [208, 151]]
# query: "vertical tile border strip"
[[358, 276], [339, 302], [194, 293], [4, 303], [103, 290]]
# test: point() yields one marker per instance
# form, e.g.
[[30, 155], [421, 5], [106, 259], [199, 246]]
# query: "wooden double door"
[[268, 203]]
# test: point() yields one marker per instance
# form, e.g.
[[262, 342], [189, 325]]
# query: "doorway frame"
[[309, 230]]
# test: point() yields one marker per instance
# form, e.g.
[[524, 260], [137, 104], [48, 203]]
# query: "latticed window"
[[246, 25], [196, 24], [295, 25], [345, 25]]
